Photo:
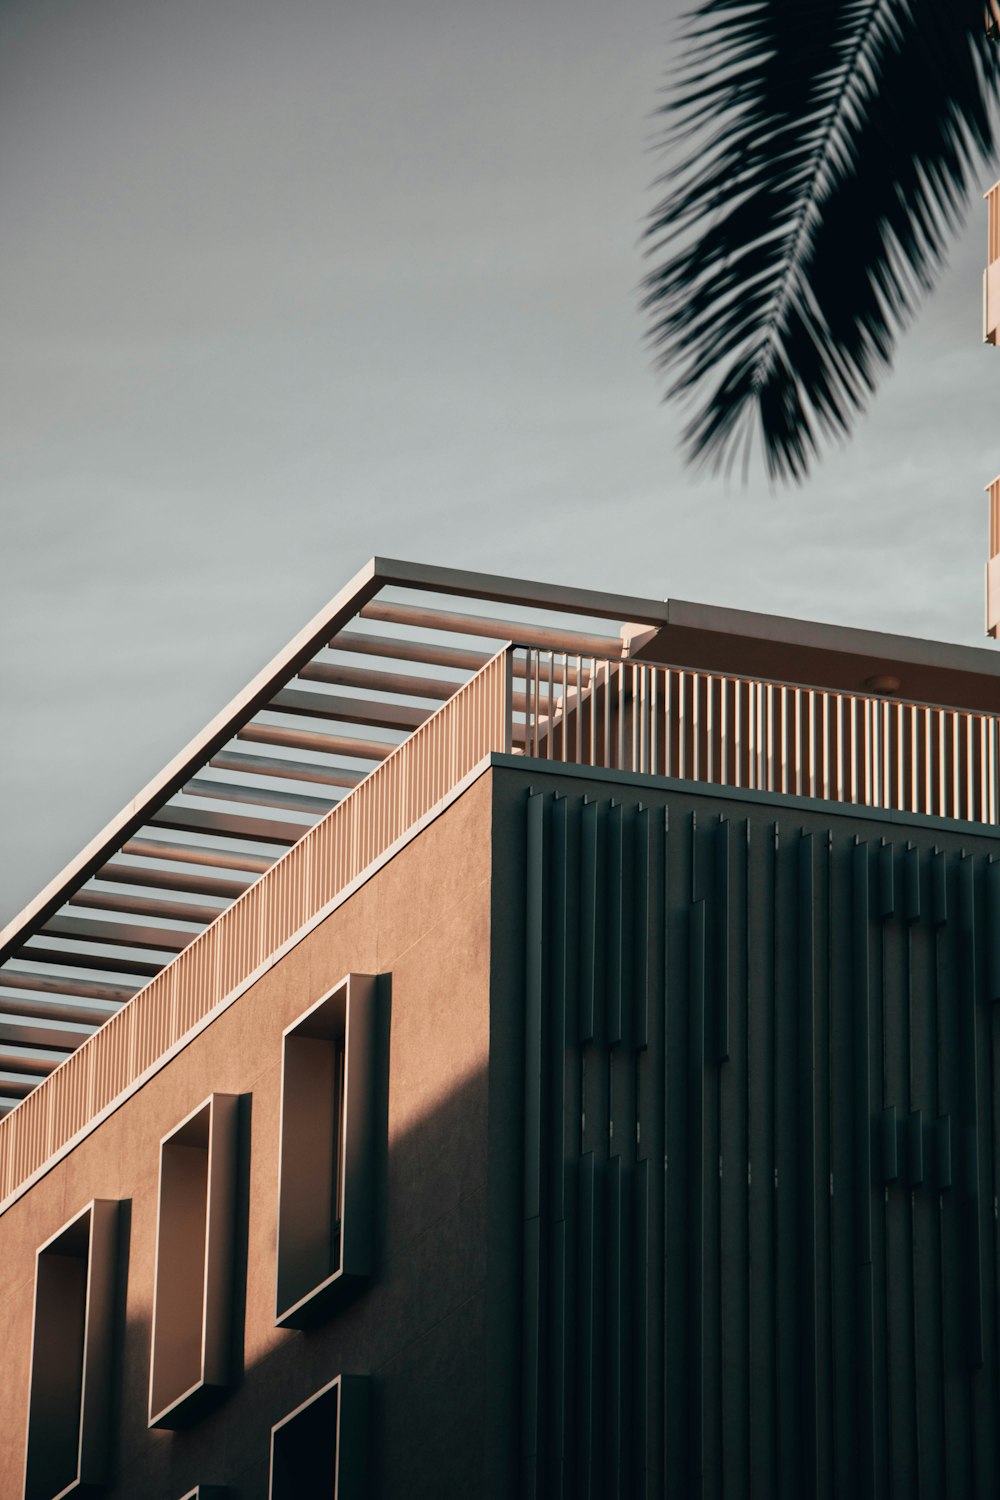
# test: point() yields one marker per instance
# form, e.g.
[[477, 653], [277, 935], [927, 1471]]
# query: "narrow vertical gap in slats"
[[682, 724], [591, 1479], [926, 1210], [696, 1247], [842, 1234], [559, 1151], [723, 946], [896, 1198], [867, 1460], [614, 912], [738, 693], [696, 721], [587, 1013], [787, 1130], [973, 1180], [954, 1371], [808, 1250], [617, 1311], [973, 1272], [762, 1193]]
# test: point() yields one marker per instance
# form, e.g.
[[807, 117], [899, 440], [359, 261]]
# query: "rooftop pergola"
[[371, 667], [394, 646]]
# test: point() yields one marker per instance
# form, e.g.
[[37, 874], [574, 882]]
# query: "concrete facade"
[[759, 1241], [423, 923], [687, 1143]]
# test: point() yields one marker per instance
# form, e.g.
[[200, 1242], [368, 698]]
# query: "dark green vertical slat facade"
[[537, 960], [761, 1127]]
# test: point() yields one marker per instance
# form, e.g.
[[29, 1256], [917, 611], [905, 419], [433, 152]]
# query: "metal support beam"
[[398, 648], [349, 710], [23, 1030], [19, 979], [231, 825], [16, 1085], [194, 854], [227, 791], [35, 1061], [74, 959], [291, 770], [119, 934], [548, 638], [379, 682], [172, 880], [147, 906], [308, 739]]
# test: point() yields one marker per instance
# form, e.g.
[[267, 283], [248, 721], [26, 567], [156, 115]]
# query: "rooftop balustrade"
[[567, 707], [869, 750]]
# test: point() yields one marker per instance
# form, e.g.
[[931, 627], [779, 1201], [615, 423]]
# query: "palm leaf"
[[826, 151]]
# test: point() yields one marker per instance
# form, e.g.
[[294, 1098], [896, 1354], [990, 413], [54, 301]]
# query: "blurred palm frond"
[[826, 150]]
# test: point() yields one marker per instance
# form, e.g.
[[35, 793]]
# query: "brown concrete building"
[[534, 1042]]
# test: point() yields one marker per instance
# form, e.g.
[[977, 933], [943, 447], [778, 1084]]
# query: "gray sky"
[[285, 285]]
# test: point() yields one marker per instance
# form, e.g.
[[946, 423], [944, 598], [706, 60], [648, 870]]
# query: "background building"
[[489, 1062]]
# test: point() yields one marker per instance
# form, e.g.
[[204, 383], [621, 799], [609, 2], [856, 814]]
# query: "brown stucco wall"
[[424, 921]]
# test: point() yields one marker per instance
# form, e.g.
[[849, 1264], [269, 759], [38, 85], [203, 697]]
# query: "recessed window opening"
[[71, 1355], [325, 1192], [319, 1451], [194, 1263]]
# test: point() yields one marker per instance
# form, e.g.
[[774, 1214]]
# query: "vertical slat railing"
[[771, 737], [635, 716], [409, 783]]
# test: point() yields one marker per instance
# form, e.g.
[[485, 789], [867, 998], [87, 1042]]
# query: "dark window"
[[320, 1451], [192, 1307], [71, 1355], [325, 1196]]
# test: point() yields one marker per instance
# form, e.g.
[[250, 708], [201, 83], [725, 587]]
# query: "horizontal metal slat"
[[92, 989], [194, 854], [32, 1031], [349, 710], [379, 682], [308, 739], [231, 825], [226, 791], [523, 633], [395, 646], [427, 654], [36, 1062], [18, 1084], [291, 770], [74, 959], [147, 906], [88, 1013], [172, 880], [119, 934]]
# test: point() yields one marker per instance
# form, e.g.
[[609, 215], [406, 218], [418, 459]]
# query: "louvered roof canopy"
[[366, 672]]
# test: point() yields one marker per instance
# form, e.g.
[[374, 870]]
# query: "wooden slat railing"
[[767, 736], [577, 710], [367, 822]]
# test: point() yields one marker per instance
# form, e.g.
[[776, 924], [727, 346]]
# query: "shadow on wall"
[[418, 1329]]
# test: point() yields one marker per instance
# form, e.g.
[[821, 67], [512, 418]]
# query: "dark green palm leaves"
[[827, 152]]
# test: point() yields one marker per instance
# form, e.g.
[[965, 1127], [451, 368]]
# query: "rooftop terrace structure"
[[383, 704], [535, 1042]]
